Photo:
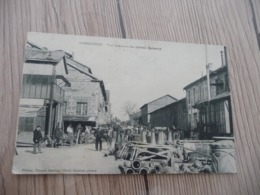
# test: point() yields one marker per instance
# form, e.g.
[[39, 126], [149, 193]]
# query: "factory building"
[[148, 108], [208, 104], [173, 115]]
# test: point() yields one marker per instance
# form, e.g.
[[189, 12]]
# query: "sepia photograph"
[[96, 105]]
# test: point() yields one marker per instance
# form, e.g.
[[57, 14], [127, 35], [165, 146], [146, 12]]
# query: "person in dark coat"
[[98, 136], [58, 136], [37, 138]]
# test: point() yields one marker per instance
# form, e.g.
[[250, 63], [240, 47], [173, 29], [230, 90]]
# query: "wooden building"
[[42, 93], [135, 118], [210, 114], [148, 108], [58, 90], [174, 114]]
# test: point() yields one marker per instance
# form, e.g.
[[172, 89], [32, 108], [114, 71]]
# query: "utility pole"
[[51, 101], [209, 97]]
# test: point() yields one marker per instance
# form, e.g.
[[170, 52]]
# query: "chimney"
[[222, 58], [225, 55]]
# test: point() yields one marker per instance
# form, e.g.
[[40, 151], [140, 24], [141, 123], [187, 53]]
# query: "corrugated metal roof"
[[43, 56], [158, 99]]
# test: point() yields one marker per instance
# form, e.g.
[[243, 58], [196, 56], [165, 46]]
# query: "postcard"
[[96, 105]]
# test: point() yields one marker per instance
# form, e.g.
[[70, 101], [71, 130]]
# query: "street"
[[79, 159]]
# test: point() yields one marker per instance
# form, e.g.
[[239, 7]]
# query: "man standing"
[[98, 138], [109, 138], [87, 134], [37, 138], [70, 134], [79, 131], [58, 137]]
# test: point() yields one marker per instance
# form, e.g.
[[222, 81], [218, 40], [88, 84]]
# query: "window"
[[195, 120], [226, 83], [194, 95], [26, 124], [219, 86], [64, 107], [189, 96], [199, 93], [82, 108]]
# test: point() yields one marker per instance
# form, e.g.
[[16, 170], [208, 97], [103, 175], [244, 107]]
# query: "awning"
[[79, 118], [30, 107], [61, 77], [216, 98]]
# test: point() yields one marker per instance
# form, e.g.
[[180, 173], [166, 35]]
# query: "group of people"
[[99, 133], [77, 136], [38, 139]]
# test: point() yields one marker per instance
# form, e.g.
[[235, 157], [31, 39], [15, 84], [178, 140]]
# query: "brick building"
[[148, 108]]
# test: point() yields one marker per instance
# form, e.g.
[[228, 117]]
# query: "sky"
[[136, 70]]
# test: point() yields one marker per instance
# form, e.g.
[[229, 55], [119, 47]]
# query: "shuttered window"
[[82, 108]]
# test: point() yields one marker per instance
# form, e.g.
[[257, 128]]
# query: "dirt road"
[[79, 159]]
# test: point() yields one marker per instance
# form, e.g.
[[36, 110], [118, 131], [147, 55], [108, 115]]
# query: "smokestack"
[[222, 58], [225, 55]]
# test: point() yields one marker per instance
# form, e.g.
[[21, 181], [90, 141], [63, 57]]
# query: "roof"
[[176, 102], [222, 68], [30, 107], [52, 57], [158, 99], [72, 63], [36, 50], [68, 56], [78, 118], [40, 53], [75, 64], [33, 45]]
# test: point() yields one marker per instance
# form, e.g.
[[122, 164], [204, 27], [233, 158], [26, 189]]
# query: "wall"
[[144, 115], [198, 92], [83, 90], [173, 114], [152, 106]]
